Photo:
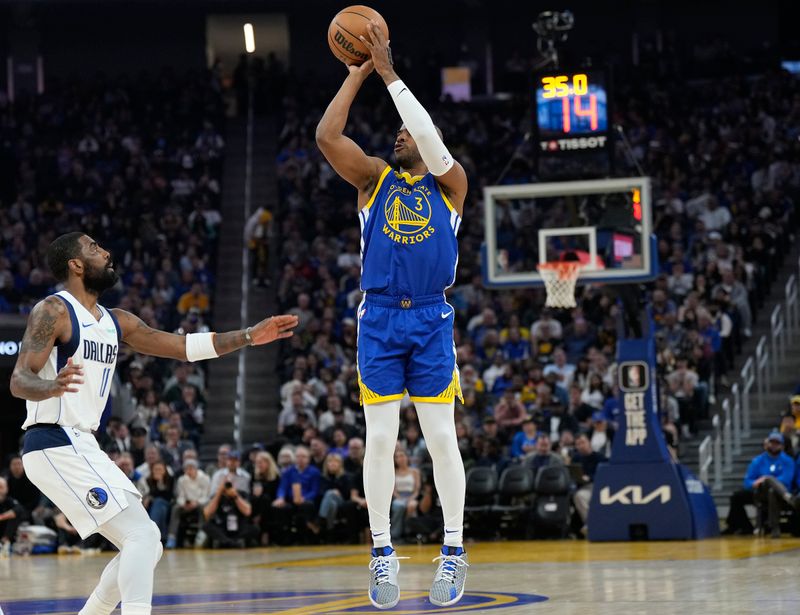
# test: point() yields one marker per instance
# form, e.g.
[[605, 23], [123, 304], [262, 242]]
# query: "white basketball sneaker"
[[384, 592], [450, 578]]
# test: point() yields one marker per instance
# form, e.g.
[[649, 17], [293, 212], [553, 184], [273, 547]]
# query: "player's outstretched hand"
[[363, 71], [68, 378], [378, 46], [274, 328]]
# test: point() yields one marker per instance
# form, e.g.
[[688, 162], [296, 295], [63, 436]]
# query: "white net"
[[559, 282]]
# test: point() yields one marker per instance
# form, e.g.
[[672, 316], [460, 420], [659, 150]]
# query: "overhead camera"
[[554, 24], [552, 27]]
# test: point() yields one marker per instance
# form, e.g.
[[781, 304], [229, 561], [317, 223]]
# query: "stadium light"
[[249, 38]]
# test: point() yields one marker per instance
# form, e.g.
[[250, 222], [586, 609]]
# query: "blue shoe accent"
[[382, 551], [446, 550]]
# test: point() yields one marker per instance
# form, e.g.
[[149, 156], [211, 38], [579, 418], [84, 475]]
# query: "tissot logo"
[[575, 143], [633, 495]]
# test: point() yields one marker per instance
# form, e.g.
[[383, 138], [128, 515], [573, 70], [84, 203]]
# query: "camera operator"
[[232, 472], [227, 517]]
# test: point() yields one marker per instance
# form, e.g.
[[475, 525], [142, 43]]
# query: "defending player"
[[409, 221], [64, 370]]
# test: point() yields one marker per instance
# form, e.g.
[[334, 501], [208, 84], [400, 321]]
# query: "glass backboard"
[[605, 223]]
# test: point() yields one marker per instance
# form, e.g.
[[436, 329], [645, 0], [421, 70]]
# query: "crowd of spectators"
[[723, 158], [137, 165], [538, 386]]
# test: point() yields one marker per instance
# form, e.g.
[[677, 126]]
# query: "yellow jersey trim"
[[377, 188], [382, 398], [452, 391], [368, 396], [445, 199], [407, 176]]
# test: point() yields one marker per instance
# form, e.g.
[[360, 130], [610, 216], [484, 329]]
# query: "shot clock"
[[572, 117]]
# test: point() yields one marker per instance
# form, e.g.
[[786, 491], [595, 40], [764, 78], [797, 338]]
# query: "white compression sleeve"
[[383, 425], [139, 542], [439, 430], [105, 596], [419, 124]]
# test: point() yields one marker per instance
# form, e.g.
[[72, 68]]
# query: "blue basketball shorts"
[[406, 344]]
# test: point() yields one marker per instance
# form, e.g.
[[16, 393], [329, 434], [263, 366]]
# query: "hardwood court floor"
[[730, 576]]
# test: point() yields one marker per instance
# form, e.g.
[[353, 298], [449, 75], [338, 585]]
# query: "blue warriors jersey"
[[409, 255], [408, 237]]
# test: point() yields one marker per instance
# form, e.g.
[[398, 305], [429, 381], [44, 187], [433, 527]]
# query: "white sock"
[[439, 430], [383, 426]]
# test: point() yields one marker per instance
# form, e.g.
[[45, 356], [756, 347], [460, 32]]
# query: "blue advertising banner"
[[638, 438], [641, 493]]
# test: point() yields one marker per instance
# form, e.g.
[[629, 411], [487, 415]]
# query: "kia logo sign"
[[9, 348], [633, 495]]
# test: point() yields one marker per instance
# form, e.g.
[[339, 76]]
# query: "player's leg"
[[139, 542], [383, 425], [437, 423], [433, 383], [439, 430], [382, 350], [72, 471], [105, 596]]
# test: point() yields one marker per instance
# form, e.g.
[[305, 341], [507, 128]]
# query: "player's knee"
[[156, 538], [380, 443], [441, 440], [145, 537], [149, 535]]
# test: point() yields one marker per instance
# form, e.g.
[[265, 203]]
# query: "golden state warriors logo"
[[408, 215]]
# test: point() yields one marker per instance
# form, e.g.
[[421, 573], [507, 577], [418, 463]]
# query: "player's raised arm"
[[47, 323], [199, 346], [448, 171], [344, 154]]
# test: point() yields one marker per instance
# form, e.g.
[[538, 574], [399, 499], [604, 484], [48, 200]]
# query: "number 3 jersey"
[[409, 253], [94, 344], [408, 237]]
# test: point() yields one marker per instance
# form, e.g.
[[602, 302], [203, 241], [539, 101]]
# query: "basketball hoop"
[[560, 278]]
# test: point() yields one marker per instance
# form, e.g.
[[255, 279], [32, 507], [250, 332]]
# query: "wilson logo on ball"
[[347, 45]]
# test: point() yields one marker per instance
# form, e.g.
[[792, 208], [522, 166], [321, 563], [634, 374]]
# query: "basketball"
[[346, 28]]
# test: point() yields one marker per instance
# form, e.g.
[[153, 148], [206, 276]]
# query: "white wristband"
[[420, 126], [200, 346]]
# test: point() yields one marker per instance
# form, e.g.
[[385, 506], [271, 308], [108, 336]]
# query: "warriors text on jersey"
[[94, 345]]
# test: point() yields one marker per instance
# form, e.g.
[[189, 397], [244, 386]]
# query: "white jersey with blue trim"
[[94, 345]]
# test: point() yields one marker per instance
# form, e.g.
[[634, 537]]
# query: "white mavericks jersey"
[[94, 345]]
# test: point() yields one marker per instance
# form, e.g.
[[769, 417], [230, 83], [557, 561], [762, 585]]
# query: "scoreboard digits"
[[569, 105], [572, 115]]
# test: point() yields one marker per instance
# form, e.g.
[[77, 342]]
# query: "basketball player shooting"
[[64, 370], [409, 221]]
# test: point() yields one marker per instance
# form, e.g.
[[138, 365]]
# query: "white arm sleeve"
[[420, 126]]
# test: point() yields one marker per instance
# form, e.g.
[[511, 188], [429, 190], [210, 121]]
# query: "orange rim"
[[566, 270]]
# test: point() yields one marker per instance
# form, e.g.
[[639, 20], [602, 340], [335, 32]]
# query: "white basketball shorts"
[[68, 466]]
